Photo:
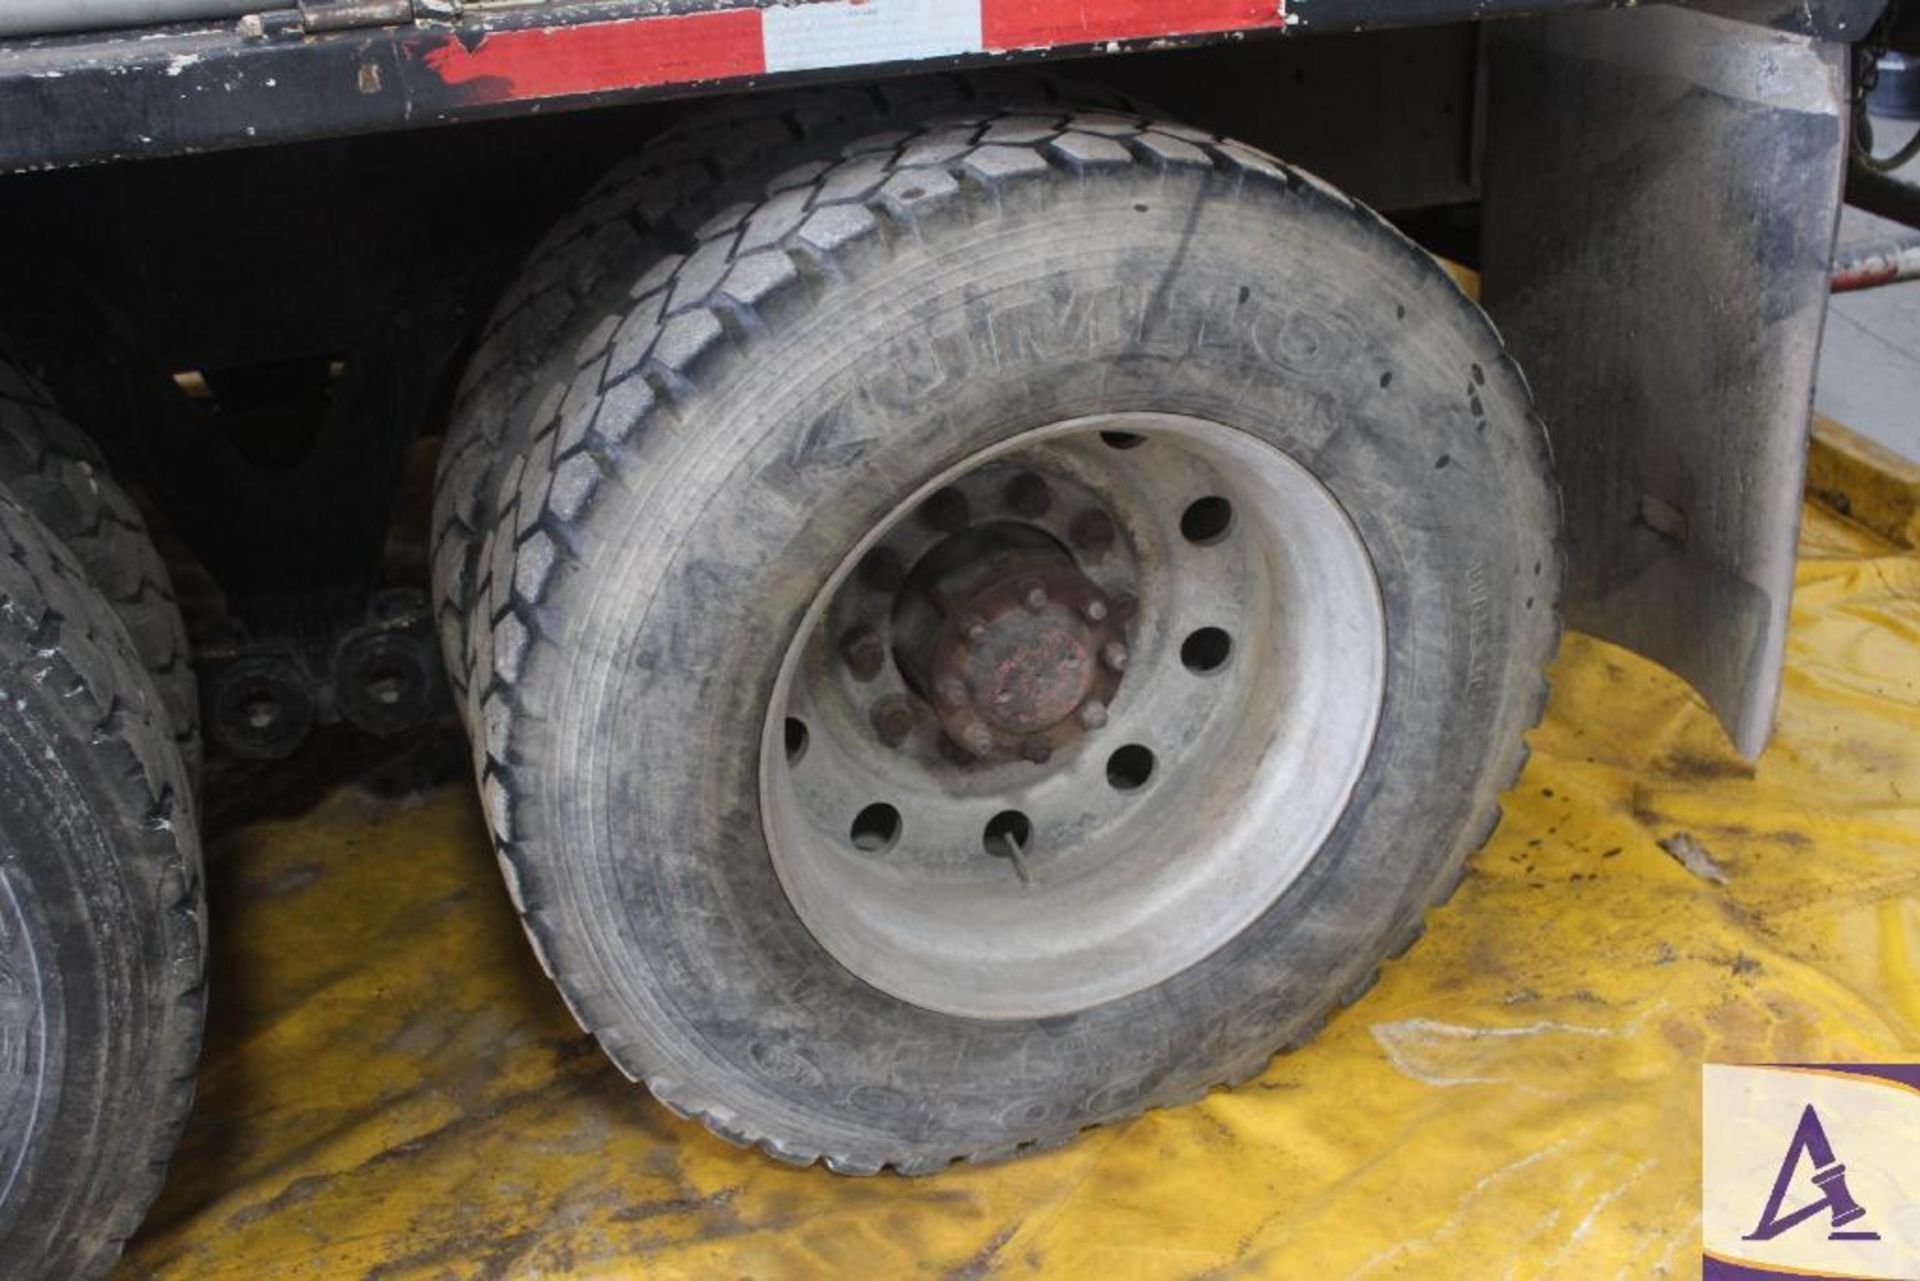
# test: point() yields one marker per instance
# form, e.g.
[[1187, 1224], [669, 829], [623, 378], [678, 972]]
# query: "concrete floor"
[[1870, 362]]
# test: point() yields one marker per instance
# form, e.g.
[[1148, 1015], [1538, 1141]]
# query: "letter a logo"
[[1810, 1137]]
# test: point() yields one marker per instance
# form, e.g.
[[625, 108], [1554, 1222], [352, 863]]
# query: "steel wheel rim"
[[1129, 871]]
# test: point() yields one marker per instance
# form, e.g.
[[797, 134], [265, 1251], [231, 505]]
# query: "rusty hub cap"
[[1018, 660]]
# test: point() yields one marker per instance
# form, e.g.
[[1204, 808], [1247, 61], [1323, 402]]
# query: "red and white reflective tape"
[[633, 53]]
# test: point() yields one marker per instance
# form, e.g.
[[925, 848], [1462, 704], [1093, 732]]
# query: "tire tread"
[[51, 467]]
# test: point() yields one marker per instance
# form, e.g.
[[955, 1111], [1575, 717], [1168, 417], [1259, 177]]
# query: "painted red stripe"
[[1028, 24], [552, 62]]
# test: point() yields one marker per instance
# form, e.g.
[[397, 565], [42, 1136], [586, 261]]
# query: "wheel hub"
[[1013, 647], [1027, 662]]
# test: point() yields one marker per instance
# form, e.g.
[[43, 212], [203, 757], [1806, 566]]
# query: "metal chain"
[[1866, 75]]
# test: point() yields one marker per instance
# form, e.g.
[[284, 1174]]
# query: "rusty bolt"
[[972, 628], [1028, 495], [1034, 597], [1093, 714], [947, 511], [977, 739], [952, 691], [1036, 749], [863, 652], [1091, 531], [1114, 655], [1095, 610], [893, 719], [881, 570]]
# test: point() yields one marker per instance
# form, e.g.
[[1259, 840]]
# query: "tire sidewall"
[[87, 954]]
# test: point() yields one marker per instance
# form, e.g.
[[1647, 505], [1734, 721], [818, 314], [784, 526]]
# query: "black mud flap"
[[1662, 188]]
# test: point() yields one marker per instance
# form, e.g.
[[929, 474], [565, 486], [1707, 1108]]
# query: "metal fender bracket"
[[1662, 191]]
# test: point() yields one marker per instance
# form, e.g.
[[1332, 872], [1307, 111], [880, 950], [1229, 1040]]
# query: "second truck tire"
[[102, 920]]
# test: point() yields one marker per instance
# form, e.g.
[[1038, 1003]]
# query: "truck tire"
[[1008, 629], [102, 934], [650, 205], [50, 466]]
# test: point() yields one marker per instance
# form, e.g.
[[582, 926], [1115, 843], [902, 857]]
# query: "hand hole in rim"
[[1129, 768], [796, 739], [1206, 521], [875, 828], [1008, 834], [1206, 650], [1122, 439]]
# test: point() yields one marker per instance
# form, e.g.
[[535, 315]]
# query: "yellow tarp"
[[391, 1089]]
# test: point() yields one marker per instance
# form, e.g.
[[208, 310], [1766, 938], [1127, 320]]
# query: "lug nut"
[[1034, 597], [881, 570], [1028, 495], [1095, 611], [1091, 531], [947, 511], [952, 691], [1114, 655], [977, 739], [863, 652], [1036, 749], [893, 719], [972, 628], [1093, 714]]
